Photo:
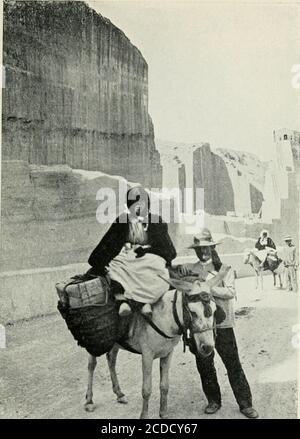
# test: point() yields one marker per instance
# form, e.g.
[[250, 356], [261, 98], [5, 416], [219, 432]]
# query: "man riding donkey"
[[135, 253], [207, 265], [265, 247]]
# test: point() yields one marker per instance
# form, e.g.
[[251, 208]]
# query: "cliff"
[[211, 174], [245, 163], [232, 180], [247, 174], [76, 92], [50, 214]]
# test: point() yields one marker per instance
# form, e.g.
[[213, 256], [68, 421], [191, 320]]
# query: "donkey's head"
[[246, 257], [200, 312]]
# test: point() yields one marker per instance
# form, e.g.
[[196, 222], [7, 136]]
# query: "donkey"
[[274, 265], [189, 310]]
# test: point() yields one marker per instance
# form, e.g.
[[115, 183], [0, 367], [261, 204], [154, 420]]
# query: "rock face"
[[245, 163], [232, 180], [210, 173], [247, 174], [50, 215], [76, 92], [256, 198]]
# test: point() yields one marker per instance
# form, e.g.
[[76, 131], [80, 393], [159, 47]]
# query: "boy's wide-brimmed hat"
[[204, 240], [288, 238]]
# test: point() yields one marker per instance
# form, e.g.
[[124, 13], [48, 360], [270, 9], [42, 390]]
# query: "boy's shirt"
[[289, 255]]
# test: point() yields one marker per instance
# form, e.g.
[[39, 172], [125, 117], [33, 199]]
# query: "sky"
[[219, 72]]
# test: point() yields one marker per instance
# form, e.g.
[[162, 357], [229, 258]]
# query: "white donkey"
[[274, 265], [188, 310]]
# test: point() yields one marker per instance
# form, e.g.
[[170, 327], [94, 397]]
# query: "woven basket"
[[95, 328]]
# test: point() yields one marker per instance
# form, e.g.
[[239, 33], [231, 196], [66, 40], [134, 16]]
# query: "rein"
[[156, 328], [186, 328]]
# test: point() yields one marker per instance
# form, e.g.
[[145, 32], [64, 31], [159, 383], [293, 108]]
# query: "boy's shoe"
[[124, 309], [147, 310], [249, 412]]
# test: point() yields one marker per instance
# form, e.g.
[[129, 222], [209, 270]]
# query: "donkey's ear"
[[220, 315], [218, 277], [178, 284]]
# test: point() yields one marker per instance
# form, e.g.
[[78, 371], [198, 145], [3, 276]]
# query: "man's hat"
[[204, 240], [288, 238]]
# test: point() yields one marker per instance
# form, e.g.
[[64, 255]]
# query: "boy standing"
[[208, 263], [291, 264]]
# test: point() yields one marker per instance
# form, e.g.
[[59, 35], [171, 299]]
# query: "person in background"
[[290, 262], [264, 245], [208, 264]]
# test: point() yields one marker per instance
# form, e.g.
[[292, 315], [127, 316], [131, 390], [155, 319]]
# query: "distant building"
[[286, 134], [281, 194], [291, 136]]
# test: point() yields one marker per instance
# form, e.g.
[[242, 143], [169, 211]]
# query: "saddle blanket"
[[262, 254], [140, 276]]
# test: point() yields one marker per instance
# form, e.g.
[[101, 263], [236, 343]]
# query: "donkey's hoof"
[[89, 407], [122, 399], [163, 415]]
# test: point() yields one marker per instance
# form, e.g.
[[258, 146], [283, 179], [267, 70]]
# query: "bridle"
[[186, 328]]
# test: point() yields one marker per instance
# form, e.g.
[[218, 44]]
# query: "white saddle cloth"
[[262, 254], [140, 276]]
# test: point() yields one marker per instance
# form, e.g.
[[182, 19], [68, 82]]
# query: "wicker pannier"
[[95, 328], [90, 313]]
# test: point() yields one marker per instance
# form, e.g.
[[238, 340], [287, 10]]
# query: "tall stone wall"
[[76, 92], [211, 174], [241, 175], [256, 198], [49, 214]]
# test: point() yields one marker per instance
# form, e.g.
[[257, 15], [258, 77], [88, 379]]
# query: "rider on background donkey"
[[264, 245], [208, 264]]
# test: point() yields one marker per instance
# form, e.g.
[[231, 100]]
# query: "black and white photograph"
[[150, 181]]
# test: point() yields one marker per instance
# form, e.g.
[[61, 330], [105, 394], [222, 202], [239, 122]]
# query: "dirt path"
[[43, 372]]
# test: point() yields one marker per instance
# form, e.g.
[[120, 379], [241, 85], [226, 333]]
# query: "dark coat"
[[117, 235], [270, 243]]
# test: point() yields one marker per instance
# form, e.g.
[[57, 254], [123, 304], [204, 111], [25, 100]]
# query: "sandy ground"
[[43, 371]]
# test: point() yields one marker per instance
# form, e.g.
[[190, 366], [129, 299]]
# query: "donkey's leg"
[[164, 384], [147, 361], [89, 405], [280, 281], [111, 357], [256, 279], [261, 281], [274, 279]]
